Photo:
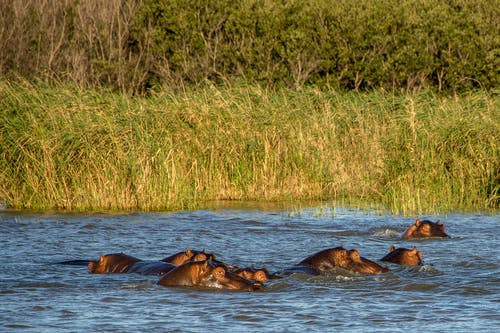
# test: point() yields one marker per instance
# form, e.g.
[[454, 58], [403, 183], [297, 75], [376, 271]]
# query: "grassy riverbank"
[[62, 147]]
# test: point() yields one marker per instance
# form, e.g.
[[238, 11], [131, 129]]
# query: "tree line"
[[136, 46]]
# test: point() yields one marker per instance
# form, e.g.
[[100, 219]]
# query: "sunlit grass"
[[61, 147]]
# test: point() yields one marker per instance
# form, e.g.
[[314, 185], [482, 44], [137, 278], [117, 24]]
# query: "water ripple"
[[459, 281]]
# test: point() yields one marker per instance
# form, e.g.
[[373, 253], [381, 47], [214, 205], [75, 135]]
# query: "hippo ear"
[[438, 222], [188, 252], [392, 248], [101, 257], [414, 250], [417, 222]]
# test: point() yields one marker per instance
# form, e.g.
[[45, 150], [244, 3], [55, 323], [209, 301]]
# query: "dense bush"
[[134, 45]]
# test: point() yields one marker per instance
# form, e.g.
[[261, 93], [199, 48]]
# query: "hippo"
[[234, 281], [339, 257], [402, 256], [256, 274], [112, 263], [192, 273], [359, 264], [425, 228], [325, 260], [122, 263]]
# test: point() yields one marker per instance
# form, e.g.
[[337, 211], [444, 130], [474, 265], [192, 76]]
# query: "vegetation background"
[[141, 104]]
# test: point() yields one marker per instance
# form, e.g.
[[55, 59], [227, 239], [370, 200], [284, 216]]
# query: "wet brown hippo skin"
[[112, 263], [326, 260], [259, 275], [151, 267], [122, 263], [425, 228], [402, 256], [233, 281], [362, 265], [192, 273]]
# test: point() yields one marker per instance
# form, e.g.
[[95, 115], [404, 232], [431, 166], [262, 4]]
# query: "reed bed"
[[78, 149]]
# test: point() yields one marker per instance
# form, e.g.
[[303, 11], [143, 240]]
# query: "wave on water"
[[385, 232], [143, 285], [421, 286], [429, 269]]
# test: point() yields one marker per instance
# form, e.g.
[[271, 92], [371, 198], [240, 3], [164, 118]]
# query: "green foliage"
[[346, 44], [139, 46]]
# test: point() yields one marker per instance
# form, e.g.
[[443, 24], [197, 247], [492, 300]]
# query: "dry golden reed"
[[67, 148]]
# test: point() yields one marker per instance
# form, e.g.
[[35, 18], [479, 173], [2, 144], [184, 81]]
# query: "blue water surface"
[[456, 290]]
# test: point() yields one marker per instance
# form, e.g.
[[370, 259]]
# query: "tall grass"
[[67, 148]]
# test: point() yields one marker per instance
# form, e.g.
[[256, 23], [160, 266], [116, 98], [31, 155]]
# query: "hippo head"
[[425, 228], [207, 272], [219, 273], [402, 256], [437, 229], [200, 257], [246, 273], [228, 280], [180, 258], [261, 275], [112, 263], [412, 257]]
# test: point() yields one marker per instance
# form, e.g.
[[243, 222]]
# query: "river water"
[[456, 290]]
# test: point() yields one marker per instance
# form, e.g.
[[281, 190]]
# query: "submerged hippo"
[[425, 228], [122, 263], [402, 256], [325, 260], [112, 263], [339, 257], [256, 274], [234, 281], [360, 264]]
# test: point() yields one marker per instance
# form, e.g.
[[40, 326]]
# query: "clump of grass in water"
[[82, 150]]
